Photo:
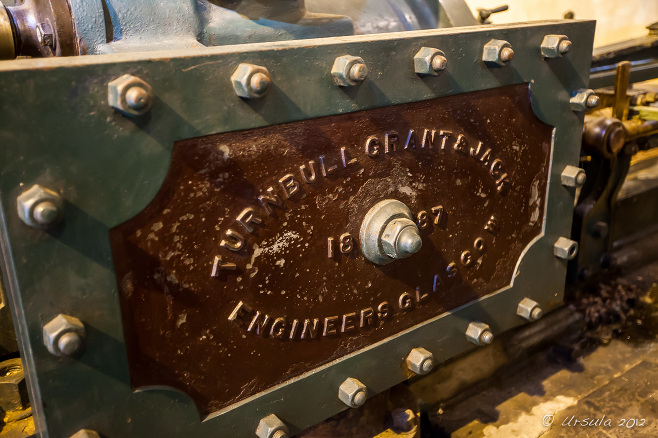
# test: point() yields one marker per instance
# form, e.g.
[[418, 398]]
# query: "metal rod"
[[621, 86]]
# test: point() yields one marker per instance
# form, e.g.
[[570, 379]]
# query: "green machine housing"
[[196, 257]]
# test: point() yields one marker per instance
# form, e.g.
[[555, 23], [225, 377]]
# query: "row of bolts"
[[64, 335], [40, 207], [133, 97]]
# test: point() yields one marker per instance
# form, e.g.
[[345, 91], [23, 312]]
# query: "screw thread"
[[507, 54], [359, 398], [259, 83], [486, 337], [439, 63], [593, 101], [358, 72], [427, 365], [280, 434]]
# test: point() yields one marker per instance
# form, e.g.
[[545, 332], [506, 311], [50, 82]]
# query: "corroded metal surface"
[[245, 270]]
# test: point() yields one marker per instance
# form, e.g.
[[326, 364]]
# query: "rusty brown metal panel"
[[224, 296]]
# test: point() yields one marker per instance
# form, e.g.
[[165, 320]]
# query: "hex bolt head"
[[45, 35], [497, 53], [388, 233], [13, 388], [420, 361], [554, 46], [529, 309], [130, 95], [86, 433], [430, 61], [403, 419], [40, 207], [479, 333], [565, 249], [271, 427], [352, 392], [584, 100], [349, 71], [400, 238], [64, 336], [251, 81], [573, 176]]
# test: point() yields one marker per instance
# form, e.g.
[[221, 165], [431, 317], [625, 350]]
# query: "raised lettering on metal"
[[289, 290]]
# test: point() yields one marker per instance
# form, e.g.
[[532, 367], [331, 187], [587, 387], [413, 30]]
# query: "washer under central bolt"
[[388, 233]]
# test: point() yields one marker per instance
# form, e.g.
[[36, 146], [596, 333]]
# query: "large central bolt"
[[401, 239], [388, 233], [138, 98]]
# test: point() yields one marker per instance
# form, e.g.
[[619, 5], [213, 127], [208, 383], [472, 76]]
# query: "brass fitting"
[[7, 43]]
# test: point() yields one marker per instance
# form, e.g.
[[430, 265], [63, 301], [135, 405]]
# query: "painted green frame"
[[57, 130]]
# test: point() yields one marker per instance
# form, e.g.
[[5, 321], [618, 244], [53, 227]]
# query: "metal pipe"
[[637, 128]]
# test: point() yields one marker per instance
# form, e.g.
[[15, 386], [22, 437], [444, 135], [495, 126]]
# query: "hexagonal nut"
[[565, 249], [584, 100], [342, 70], [271, 427], [64, 335], [251, 81], [497, 53], [373, 226], [45, 35], [427, 61], [554, 46], [13, 389], [573, 176], [479, 333], [529, 309], [86, 433], [404, 420], [40, 207], [391, 233], [420, 361], [352, 392], [130, 95]]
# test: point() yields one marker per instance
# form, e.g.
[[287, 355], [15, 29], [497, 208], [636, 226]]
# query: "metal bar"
[[621, 86], [640, 128], [640, 71]]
